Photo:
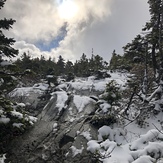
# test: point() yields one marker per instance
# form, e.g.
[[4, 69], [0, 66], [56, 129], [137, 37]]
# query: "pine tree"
[[8, 109], [6, 50], [83, 66], [69, 67], [150, 47], [155, 35], [6, 43], [99, 63], [135, 51], [60, 65]]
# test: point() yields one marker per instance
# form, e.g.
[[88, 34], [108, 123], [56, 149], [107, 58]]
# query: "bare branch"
[[157, 128]]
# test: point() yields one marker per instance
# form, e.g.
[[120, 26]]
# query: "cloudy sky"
[[72, 27]]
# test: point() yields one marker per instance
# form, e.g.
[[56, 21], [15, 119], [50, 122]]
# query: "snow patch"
[[2, 158], [61, 99], [87, 135], [55, 125], [18, 125], [17, 114], [4, 120], [76, 151], [81, 101], [93, 146]]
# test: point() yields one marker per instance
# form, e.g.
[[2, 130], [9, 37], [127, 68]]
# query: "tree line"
[[83, 67]]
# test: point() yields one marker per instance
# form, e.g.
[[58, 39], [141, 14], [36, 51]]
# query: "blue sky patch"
[[54, 43]]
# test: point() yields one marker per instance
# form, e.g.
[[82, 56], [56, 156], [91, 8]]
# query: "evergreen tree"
[[26, 61], [118, 62], [69, 67], [98, 62], [113, 61], [76, 68], [135, 51], [60, 65], [9, 111], [155, 34], [6, 50], [83, 66], [6, 43], [92, 63], [149, 49], [86, 67]]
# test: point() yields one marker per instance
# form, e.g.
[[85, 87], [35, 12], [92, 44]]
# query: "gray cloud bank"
[[104, 25]]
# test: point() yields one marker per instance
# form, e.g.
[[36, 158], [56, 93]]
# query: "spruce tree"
[[60, 65], [6, 43], [6, 50], [150, 47], [155, 34], [69, 67], [135, 51], [11, 125]]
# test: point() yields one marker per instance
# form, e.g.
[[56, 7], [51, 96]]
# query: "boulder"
[[61, 133]]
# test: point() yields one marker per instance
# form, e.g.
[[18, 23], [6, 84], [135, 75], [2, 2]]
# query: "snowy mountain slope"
[[65, 132]]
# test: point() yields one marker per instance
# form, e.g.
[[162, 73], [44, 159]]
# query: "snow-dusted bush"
[[70, 76], [13, 121], [108, 140], [104, 119], [149, 146], [105, 112], [52, 80], [112, 93]]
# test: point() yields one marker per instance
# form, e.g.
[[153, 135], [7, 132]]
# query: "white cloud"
[[35, 20], [104, 25], [33, 51]]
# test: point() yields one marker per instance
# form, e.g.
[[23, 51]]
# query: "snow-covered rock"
[[63, 132], [29, 97]]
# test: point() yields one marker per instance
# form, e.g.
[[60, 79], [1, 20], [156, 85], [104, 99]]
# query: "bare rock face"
[[60, 134]]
